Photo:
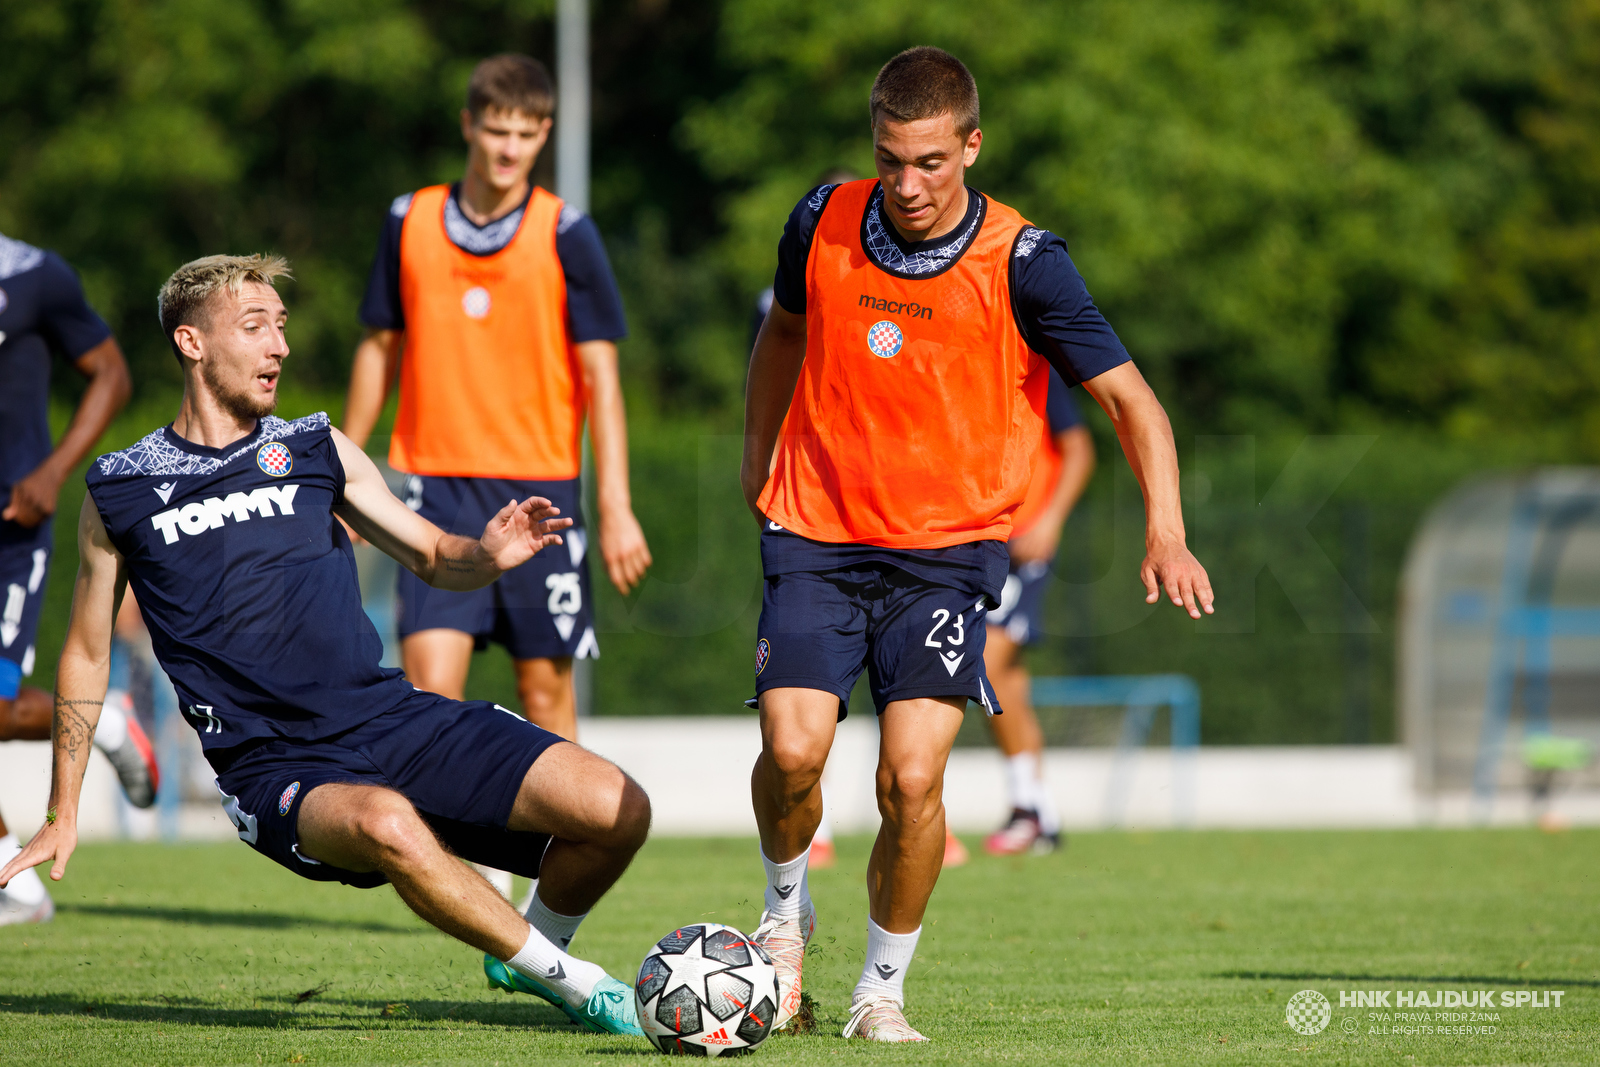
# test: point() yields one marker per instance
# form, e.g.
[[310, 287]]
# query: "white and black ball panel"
[[705, 990], [757, 1023]]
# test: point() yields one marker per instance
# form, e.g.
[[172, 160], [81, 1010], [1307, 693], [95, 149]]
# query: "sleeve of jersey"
[[380, 305], [594, 306], [1057, 315], [69, 322], [794, 247], [1059, 410]]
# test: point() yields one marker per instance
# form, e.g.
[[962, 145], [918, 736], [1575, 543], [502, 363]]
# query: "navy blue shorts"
[[460, 763], [915, 637], [24, 566], [1021, 610], [540, 610]]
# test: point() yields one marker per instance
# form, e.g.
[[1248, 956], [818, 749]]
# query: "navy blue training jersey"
[[1055, 313], [42, 309], [247, 583], [1059, 410], [594, 306]]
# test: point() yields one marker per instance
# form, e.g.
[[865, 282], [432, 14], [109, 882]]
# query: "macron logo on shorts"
[[197, 518]]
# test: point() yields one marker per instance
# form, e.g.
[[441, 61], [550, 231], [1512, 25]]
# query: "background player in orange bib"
[[893, 418], [1063, 469], [494, 302]]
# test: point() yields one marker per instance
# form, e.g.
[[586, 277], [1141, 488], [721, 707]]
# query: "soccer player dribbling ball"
[[329, 764], [494, 302], [893, 414], [42, 308]]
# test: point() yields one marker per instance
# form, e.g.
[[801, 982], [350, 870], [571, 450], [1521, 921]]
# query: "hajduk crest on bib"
[[884, 339]]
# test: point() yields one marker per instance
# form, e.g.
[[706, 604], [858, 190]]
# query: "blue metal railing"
[[1140, 696]]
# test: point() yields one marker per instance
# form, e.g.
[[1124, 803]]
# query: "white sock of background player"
[[1026, 784], [501, 880], [26, 888]]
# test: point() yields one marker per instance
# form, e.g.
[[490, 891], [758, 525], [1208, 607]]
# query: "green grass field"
[[1152, 948]]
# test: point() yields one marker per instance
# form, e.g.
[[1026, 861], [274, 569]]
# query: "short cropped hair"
[[511, 82], [924, 83], [185, 298]]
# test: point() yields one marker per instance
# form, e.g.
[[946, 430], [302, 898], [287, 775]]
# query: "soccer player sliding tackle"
[[329, 764], [42, 307], [892, 421]]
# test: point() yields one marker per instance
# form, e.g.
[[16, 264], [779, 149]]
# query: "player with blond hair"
[[328, 763]]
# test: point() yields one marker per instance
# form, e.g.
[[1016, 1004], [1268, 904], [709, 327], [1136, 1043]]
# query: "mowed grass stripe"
[[1147, 947]]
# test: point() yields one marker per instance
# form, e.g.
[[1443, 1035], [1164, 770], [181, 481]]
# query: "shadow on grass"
[[283, 1013], [262, 920], [1446, 981]]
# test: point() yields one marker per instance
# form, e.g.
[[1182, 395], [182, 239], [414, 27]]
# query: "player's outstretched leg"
[[598, 818], [797, 728], [916, 739]]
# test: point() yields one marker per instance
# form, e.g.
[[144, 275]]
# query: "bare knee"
[[627, 807], [797, 761], [393, 834], [909, 795]]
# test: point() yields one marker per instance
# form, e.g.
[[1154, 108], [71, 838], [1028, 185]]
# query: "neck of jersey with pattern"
[[898, 256], [495, 234], [17, 257]]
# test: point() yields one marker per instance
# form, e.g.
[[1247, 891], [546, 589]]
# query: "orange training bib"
[[918, 413], [490, 385]]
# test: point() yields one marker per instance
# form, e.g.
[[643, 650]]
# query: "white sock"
[[25, 888], [556, 927], [787, 892], [111, 733], [1049, 817], [825, 827], [569, 976], [1022, 780], [501, 880], [888, 957]]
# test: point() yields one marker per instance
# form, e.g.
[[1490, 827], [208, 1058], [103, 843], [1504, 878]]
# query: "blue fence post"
[[1139, 696]]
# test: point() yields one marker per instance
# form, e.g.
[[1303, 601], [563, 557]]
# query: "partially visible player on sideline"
[[329, 764], [894, 409], [1065, 463], [42, 309], [494, 301]]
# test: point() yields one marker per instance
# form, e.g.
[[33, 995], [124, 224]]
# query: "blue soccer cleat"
[[610, 1009]]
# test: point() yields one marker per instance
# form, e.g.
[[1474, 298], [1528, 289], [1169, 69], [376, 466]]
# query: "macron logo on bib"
[[192, 519]]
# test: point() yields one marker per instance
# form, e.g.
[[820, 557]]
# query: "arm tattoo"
[[460, 566], [69, 729]]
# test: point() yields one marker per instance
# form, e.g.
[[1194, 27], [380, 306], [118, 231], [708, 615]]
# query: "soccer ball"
[[706, 990]]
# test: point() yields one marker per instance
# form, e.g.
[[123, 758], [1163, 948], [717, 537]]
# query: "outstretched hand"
[[1172, 568], [54, 841], [519, 531]]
